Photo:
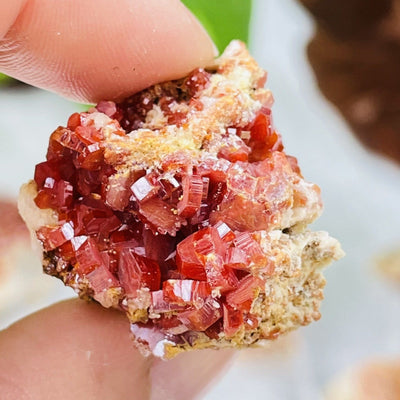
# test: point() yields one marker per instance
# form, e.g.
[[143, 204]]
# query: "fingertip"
[[89, 53]]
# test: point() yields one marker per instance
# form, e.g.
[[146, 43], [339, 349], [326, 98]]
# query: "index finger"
[[89, 51]]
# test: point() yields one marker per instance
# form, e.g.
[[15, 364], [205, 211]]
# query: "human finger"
[[72, 351], [189, 375], [78, 350], [89, 51]]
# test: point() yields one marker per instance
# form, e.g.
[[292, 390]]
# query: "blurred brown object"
[[355, 54], [373, 380]]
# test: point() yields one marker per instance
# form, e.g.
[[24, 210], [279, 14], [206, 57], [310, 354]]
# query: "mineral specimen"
[[180, 207]]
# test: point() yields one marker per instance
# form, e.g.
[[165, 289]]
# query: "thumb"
[[76, 350]]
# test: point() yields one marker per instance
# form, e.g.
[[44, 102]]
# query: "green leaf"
[[223, 19], [4, 78]]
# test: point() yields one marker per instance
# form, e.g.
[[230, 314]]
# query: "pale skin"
[[88, 51]]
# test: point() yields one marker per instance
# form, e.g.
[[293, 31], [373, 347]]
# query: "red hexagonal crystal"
[[136, 272], [101, 279], [192, 186], [53, 237], [236, 258], [46, 170], [186, 291], [160, 216], [233, 153], [251, 248], [57, 195], [196, 81], [263, 139], [118, 192], [219, 275], [187, 260], [143, 189], [242, 297], [233, 320], [87, 255], [200, 319]]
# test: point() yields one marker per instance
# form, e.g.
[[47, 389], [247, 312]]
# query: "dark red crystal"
[[192, 186], [160, 216], [87, 255], [202, 318], [136, 272], [188, 262], [186, 292], [57, 195], [235, 153], [101, 279], [236, 258], [242, 297], [197, 81], [263, 138], [53, 237], [233, 320], [220, 275], [46, 170]]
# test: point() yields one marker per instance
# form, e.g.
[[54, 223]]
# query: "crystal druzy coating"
[[175, 228]]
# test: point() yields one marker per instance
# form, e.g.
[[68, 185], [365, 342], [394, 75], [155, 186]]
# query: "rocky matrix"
[[180, 207]]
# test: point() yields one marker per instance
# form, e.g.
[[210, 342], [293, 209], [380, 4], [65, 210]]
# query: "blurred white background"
[[361, 193]]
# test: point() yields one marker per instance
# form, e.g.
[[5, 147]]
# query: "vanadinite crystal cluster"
[[180, 207]]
